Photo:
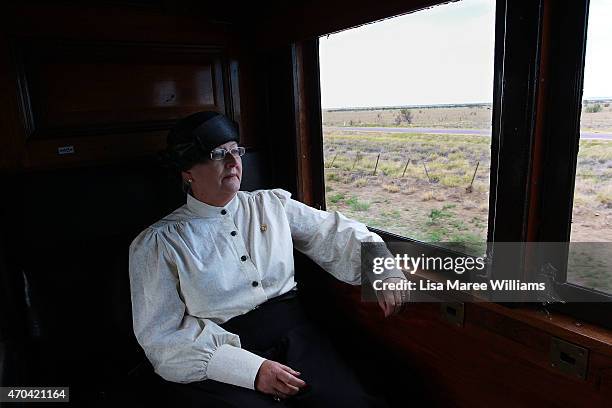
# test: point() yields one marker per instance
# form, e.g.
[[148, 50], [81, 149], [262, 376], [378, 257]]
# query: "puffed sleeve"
[[181, 348], [330, 239]]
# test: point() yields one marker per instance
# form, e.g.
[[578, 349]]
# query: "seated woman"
[[213, 290]]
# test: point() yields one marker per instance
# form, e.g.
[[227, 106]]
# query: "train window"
[[592, 204], [407, 111], [576, 175]]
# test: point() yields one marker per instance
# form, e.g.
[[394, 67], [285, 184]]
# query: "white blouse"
[[202, 265]]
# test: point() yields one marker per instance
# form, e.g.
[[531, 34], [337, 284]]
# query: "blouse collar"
[[210, 211]]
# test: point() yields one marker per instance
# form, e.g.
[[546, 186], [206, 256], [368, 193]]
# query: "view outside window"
[[407, 122], [592, 212]]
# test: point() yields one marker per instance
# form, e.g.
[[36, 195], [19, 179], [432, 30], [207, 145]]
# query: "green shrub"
[[361, 182], [333, 177], [593, 108], [357, 205], [336, 197]]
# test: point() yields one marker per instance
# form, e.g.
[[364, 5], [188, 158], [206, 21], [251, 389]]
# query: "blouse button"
[[233, 233], [223, 212], [243, 258], [255, 284]]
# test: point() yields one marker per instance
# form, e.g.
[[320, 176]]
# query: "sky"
[[441, 55], [598, 58]]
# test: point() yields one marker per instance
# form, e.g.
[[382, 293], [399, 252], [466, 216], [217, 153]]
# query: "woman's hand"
[[391, 301], [279, 380]]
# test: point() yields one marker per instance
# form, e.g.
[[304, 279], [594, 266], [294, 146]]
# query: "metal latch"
[[569, 358], [452, 312]]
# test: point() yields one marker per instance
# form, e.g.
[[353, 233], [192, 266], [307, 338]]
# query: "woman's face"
[[215, 182]]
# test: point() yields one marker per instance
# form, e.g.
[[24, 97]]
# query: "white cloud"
[[598, 58]]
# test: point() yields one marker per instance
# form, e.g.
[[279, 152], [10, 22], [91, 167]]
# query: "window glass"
[[592, 211], [407, 122]]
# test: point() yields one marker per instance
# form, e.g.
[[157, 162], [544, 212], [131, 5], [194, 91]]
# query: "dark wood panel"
[[113, 23], [307, 20], [90, 94], [12, 138], [276, 114], [499, 358], [68, 152], [303, 131], [72, 75], [69, 89]]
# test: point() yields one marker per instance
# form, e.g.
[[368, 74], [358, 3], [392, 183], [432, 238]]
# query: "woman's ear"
[[186, 176]]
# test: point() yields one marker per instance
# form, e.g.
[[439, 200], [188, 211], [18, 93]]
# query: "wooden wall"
[[498, 357], [97, 85], [501, 355], [83, 85], [88, 96]]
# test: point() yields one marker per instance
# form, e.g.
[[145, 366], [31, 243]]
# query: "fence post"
[[376, 166], [469, 188], [426, 172], [333, 160], [356, 160], [405, 167]]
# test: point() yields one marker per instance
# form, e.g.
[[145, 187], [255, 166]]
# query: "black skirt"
[[279, 330]]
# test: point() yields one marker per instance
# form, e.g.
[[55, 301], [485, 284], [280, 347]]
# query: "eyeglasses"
[[219, 153]]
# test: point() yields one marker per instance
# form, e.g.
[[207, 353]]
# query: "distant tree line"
[[449, 105]]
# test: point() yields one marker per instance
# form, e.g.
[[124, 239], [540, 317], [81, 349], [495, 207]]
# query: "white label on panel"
[[65, 150]]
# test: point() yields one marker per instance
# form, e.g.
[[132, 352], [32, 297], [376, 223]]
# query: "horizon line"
[[441, 105]]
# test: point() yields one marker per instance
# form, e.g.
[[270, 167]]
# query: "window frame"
[[515, 85], [530, 40], [568, 26]]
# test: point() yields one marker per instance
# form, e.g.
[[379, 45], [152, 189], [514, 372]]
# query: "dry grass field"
[[402, 197], [463, 117], [597, 117], [478, 117], [420, 188]]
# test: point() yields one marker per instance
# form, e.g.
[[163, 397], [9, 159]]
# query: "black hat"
[[193, 137]]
